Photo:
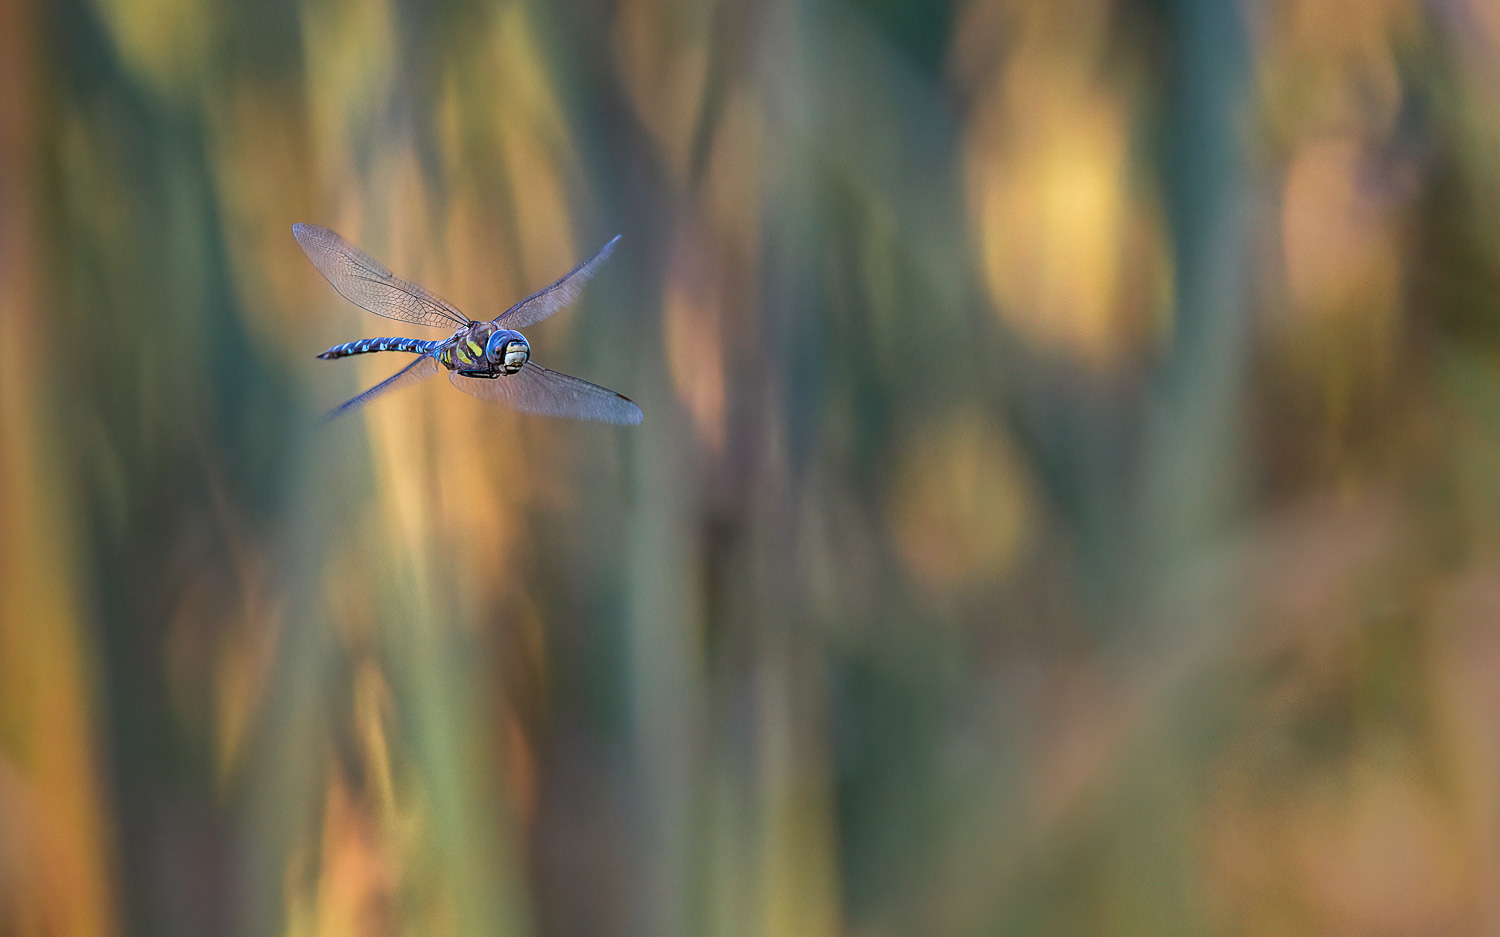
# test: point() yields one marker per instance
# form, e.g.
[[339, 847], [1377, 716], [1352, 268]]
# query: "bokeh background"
[[1068, 500]]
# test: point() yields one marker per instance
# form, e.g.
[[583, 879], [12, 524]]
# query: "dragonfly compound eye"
[[515, 355]]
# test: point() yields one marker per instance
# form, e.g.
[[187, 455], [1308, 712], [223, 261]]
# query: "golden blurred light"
[[1382, 854], [1332, 93], [242, 670], [259, 152], [55, 831], [523, 781], [1331, 63], [1371, 852], [400, 430], [540, 161], [169, 43], [352, 892], [349, 57], [1342, 220], [692, 325], [960, 504], [471, 504], [1333, 90], [372, 709], [352, 882], [663, 48], [1062, 237], [794, 838], [1338, 240]]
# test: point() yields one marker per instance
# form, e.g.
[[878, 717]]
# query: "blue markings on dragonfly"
[[489, 360]]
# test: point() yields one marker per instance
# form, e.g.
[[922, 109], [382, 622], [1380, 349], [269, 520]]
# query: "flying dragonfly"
[[489, 360]]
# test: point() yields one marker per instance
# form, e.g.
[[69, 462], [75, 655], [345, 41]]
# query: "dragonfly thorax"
[[507, 351]]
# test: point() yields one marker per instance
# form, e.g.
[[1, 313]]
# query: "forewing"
[[425, 366], [543, 303], [549, 393], [366, 283]]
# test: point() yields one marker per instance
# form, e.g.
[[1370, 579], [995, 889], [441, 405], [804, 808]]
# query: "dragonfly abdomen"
[[366, 345]]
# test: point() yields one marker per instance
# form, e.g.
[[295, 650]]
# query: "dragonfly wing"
[[425, 366], [366, 283], [543, 303], [549, 393]]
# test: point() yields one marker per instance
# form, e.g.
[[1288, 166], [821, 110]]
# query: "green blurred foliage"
[[1067, 500]]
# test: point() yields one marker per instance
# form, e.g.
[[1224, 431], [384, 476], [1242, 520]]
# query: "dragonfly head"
[[507, 350]]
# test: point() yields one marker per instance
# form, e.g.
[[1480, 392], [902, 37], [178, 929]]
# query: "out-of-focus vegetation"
[[1068, 500]]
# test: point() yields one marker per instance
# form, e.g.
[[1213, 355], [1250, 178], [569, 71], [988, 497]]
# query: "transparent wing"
[[425, 366], [366, 283], [549, 393], [543, 303]]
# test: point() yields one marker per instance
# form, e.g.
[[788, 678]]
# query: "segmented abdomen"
[[364, 345]]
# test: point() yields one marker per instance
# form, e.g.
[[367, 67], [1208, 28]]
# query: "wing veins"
[[369, 284], [549, 299], [425, 301], [423, 367], [546, 392]]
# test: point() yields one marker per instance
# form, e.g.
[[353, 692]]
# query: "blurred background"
[[1068, 500]]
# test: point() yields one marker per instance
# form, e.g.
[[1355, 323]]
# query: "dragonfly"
[[490, 360]]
